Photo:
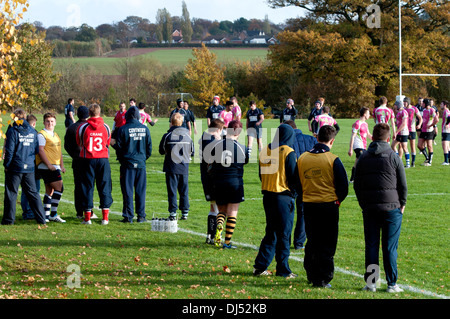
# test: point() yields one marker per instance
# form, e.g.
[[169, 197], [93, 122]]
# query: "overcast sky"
[[66, 13]]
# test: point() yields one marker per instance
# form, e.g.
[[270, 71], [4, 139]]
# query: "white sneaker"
[[371, 288], [56, 218], [395, 288], [86, 222], [445, 164], [257, 272], [93, 216], [426, 164], [105, 222]]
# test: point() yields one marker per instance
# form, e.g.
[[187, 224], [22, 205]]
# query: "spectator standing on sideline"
[[133, 148], [27, 213], [214, 133], [72, 148], [51, 166], [94, 138], [358, 140], [381, 189], [302, 144], [69, 112], [445, 131], [324, 186], [21, 147], [214, 110], [177, 147], [414, 124], [278, 174], [289, 113]]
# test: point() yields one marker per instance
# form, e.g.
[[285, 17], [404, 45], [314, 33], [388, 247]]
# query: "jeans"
[[279, 211], [389, 223]]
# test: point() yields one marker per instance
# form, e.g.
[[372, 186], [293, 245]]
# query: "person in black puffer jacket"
[[381, 189]]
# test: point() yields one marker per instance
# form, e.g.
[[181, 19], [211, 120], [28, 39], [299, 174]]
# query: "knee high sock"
[[430, 158], [407, 159], [47, 205], [105, 213], [231, 224], [55, 202], [221, 218], [87, 215], [425, 153], [446, 157]]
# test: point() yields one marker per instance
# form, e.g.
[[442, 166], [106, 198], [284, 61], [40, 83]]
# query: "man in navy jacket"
[[178, 148], [133, 148], [21, 147]]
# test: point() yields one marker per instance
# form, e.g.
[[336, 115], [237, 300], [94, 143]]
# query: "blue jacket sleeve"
[[292, 171], [10, 143], [340, 180], [149, 144]]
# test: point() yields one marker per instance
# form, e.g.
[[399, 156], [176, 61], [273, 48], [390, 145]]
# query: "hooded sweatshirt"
[[94, 138], [380, 181], [133, 141], [278, 163], [21, 147]]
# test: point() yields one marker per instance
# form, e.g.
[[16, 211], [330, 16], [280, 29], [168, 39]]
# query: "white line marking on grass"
[[293, 256]]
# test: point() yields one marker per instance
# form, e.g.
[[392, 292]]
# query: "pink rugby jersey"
[[383, 114], [445, 115], [145, 118], [324, 119], [401, 116], [361, 129], [226, 116], [412, 113], [237, 113], [428, 116]]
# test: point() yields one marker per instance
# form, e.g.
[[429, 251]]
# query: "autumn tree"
[[34, 66], [204, 78], [337, 53]]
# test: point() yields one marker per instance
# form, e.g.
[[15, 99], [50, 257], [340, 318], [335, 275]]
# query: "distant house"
[[272, 40], [215, 40], [260, 38]]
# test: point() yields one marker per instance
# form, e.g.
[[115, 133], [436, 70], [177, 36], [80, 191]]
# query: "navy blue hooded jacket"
[[303, 143], [21, 147], [133, 141]]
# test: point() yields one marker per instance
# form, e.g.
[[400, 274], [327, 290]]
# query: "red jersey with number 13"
[[94, 138]]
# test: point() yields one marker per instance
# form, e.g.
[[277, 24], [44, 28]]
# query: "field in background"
[[171, 57], [127, 261]]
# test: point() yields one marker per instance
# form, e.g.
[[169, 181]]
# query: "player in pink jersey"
[[402, 132], [358, 141], [445, 131], [325, 119], [236, 110], [227, 114], [414, 124], [145, 117], [383, 114], [426, 136]]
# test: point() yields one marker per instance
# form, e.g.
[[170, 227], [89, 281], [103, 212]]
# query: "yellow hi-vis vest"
[[52, 148], [317, 177], [273, 169]]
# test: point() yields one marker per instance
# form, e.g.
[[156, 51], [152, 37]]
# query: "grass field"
[[170, 57], [129, 261]]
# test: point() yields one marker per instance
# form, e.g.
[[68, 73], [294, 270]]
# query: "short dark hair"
[[426, 102], [326, 133], [69, 101], [49, 115], [326, 109], [216, 123], [291, 123], [445, 102], [141, 106], [363, 111], [133, 100], [381, 132]]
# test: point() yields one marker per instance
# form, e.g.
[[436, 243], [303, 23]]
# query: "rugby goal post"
[[182, 96], [401, 74]]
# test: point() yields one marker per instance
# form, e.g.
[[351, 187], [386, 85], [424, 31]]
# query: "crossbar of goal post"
[[400, 96]]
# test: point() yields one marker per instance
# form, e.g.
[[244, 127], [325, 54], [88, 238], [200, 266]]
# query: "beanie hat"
[[83, 112]]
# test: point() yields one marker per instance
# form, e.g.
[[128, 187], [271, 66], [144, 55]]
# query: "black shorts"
[[254, 132], [50, 176], [412, 135], [446, 137], [358, 152], [401, 138], [230, 191], [427, 135], [207, 183]]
